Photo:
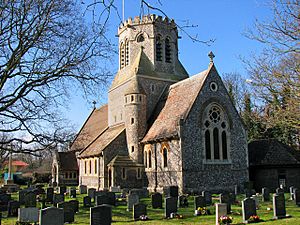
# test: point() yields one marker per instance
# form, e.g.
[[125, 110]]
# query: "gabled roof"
[[179, 102], [102, 141], [123, 160], [272, 153], [142, 65], [93, 126], [67, 161]]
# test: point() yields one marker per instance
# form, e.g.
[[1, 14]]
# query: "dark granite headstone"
[[49, 194], [62, 190], [101, 199], [156, 200], [265, 194], [75, 205], [30, 199], [68, 211], [82, 189], [52, 216], [199, 201], [87, 201], [91, 193], [139, 209], [22, 196], [12, 208], [207, 196], [131, 200], [170, 206], [279, 191], [279, 206], [58, 198], [183, 201], [72, 193], [4, 199], [248, 209], [225, 198], [100, 215]]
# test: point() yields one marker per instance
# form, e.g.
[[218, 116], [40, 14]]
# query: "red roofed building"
[[17, 165]]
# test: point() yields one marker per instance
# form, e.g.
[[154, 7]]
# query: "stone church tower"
[[148, 65]]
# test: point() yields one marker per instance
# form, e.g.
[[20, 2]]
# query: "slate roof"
[[178, 104], [93, 126], [67, 161], [124, 160], [102, 141], [272, 153]]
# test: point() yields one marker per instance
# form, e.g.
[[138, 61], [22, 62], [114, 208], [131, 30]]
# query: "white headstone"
[[221, 210]]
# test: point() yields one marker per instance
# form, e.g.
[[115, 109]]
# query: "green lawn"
[[121, 216]]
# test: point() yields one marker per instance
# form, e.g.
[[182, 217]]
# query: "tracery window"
[[216, 133], [158, 48], [168, 50]]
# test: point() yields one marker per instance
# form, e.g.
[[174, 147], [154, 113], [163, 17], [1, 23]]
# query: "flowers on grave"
[[202, 211], [254, 219], [144, 218], [176, 215], [225, 219]]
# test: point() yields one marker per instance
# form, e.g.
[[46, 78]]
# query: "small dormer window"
[[140, 38], [167, 50], [158, 49]]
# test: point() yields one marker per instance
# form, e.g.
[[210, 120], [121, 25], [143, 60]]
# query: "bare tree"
[[47, 51], [275, 73]]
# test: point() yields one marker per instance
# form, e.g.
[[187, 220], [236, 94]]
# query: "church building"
[[162, 127]]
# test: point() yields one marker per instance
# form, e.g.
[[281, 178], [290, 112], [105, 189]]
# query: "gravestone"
[[49, 194], [296, 196], [91, 193], [156, 200], [248, 209], [68, 211], [171, 191], [207, 196], [51, 216], [142, 193], [139, 209], [58, 198], [62, 190], [101, 199], [115, 189], [82, 189], [22, 196], [279, 191], [4, 199], [265, 194], [255, 198], [100, 215], [225, 198], [12, 208], [131, 200], [170, 206], [72, 193], [75, 205], [183, 201], [279, 206], [87, 201], [221, 210], [199, 201], [29, 215], [30, 199]]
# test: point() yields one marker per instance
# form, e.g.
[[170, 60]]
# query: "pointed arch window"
[[149, 159], [165, 157], [216, 133], [126, 53], [158, 44], [168, 51]]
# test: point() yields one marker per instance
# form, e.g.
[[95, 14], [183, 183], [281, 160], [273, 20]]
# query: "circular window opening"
[[213, 86]]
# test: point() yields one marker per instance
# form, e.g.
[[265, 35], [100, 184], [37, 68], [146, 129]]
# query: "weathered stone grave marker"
[[265, 194], [207, 196], [199, 201], [100, 215], [51, 216], [87, 201], [12, 208], [279, 206], [131, 200], [221, 210], [170, 206], [139, 209], [30, 199], [248, 209], [82, 189], [156, 200], [28, 215]]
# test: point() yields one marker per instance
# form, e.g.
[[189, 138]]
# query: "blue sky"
[[222, 20]]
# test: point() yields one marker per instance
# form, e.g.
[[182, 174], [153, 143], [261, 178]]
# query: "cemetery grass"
[[156, 216]]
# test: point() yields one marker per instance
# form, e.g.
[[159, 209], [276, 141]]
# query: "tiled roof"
[[272, 152], [17, 163], [102, 141], [124, 160], [178, 104], [67, 161], [93, 126]]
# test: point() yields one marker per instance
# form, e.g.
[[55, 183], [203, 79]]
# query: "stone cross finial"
[[211, 56], [94, 103]]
